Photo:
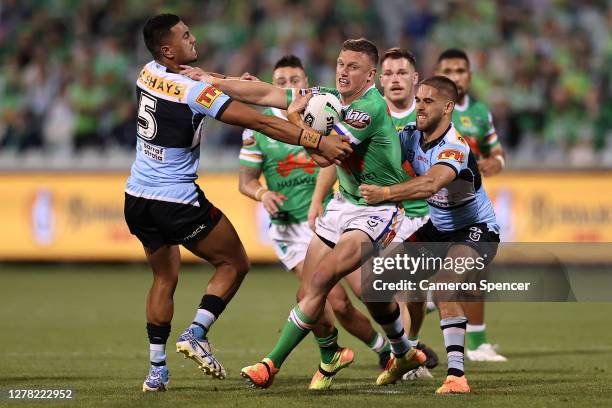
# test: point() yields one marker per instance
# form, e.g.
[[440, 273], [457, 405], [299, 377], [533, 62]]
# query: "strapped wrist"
[[309, 138], [501, 160], [260, 193]]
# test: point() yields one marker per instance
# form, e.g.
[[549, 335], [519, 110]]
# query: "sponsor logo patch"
[[357, 119], [451, 154], [208, 96], [153, 152]]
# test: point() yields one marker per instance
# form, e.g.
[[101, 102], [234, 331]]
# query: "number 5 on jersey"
[[147, 126]]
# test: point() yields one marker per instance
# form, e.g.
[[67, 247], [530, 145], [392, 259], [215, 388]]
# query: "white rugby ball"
[[322, 112]]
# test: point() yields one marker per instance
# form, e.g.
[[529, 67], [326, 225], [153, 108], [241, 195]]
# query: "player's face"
[[398, 79], [290, 77], [182, 44], [354, 73], [458, 71], [430, 107]]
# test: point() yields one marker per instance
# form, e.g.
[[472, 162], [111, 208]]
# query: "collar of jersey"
[[344, 107], [466, 104], [425, 147], [401, 115]]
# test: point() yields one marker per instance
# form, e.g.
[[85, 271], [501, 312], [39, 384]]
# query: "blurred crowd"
[[68, 67]]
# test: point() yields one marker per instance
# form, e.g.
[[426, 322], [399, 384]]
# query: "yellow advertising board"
[[552, 207], [62, 216], [59, 216]]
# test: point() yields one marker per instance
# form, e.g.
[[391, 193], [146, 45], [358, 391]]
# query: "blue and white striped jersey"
[[463, 201], [171, 113]]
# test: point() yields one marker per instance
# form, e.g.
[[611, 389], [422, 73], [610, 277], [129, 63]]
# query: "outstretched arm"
[[420, 187], [247, 91], [333, 149]]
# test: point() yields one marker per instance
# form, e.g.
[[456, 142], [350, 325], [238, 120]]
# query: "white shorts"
[[380, 223], [290, 242], [409, 226]]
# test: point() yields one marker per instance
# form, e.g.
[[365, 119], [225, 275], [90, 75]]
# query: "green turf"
[[82, 327]]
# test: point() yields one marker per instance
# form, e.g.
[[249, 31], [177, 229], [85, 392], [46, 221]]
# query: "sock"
[[394, 329], [453, 330], [297, 327], [210, 308], [379, 344], [328, 346], [413, 341], [476, 335], [158, 336]]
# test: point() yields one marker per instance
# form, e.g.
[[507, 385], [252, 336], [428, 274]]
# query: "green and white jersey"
[[376, 157], [474, 122], [287, 169], [412, 208]]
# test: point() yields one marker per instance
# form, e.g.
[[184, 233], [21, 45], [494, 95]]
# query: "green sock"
[[297, 327], [475, 339], [379, 344], [328, 346]]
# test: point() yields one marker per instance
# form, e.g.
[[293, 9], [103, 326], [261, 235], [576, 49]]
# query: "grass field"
[[82, 327]]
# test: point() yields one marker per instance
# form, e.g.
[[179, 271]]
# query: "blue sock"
[[201, 323]]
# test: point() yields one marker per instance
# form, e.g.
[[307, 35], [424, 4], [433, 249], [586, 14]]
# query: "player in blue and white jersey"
[[164, 207], [461, 213]]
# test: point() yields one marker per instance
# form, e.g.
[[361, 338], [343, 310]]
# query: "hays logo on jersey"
[[208, 96], [451, 154], [357, 119]]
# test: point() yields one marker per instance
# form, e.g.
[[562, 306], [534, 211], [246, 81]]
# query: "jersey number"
[[147, 126]]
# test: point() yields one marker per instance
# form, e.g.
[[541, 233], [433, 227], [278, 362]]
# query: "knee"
[[166, 281], [343, 308], [240, 266], [322, 280]]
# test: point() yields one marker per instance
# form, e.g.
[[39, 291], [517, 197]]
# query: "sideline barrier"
[[63, 216]]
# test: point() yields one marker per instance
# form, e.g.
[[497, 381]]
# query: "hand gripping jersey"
[[464, 201], [376, 150], [475, 123], [288, 169], [171, 113]]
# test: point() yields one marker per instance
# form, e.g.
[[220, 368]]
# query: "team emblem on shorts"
[[475, 234]]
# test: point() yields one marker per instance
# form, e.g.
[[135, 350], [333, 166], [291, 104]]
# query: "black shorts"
[[478, 236], [156, 223]]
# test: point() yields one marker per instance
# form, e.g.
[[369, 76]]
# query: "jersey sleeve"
[[250, 153], [490, 139], [453, 155], [359, 122], [293, 92], [206, 99]]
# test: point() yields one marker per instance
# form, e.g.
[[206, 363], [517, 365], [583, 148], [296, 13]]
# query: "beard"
[[429, 125]]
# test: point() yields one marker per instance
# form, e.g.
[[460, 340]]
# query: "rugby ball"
[[322, 112]]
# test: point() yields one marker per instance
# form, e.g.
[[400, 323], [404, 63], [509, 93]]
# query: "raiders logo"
[[357, 119]]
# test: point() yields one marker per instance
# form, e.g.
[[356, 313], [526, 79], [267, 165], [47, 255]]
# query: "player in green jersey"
[[474, 122], [348, 224], [398, 79], [290, 174]]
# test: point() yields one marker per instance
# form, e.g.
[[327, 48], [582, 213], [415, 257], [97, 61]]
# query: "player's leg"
[[165, 264], [261, 374], [222, 248], [378, 343], [478, 348], [403, 358], [453, 323], [357, 324]]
